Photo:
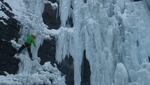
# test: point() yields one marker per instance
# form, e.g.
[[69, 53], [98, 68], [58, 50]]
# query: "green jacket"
[[30, 40]]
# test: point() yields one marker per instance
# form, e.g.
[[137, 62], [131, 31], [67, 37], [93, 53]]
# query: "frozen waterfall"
[[111, 32], [114, 34]]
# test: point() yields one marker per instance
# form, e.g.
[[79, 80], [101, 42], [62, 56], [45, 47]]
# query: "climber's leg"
[[29, 52]]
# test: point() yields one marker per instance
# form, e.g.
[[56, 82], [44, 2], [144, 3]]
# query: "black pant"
[[28, 46]]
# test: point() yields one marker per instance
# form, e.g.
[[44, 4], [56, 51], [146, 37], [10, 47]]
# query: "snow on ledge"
[[49, 75]]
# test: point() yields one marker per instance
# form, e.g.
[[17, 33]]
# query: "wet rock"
[[67, 68], [47, 51], [50, 17]]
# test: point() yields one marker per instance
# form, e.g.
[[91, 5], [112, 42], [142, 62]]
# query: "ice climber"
[[29, 41]]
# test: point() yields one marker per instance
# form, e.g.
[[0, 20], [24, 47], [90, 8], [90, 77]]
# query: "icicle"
[[65, 6]]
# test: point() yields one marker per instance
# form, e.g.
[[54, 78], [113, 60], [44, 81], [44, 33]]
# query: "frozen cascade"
[[110, 32], [114, 34]]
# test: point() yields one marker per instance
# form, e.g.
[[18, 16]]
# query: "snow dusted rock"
[[15, 44], [9, 29], [121, 75]]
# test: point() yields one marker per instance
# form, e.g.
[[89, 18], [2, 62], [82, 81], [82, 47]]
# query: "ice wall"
[[114, 34], [111, 32]]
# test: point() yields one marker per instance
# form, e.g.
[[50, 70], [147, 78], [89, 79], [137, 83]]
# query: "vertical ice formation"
[[121, 76], [114, 34], [111, 32], [29, 13]]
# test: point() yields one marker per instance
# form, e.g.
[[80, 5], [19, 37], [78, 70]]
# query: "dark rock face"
[[47, 51], [85, 71], [53, 1], [137, 0], [7, 61], [67, 68], [50, 17], [9, 29]]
